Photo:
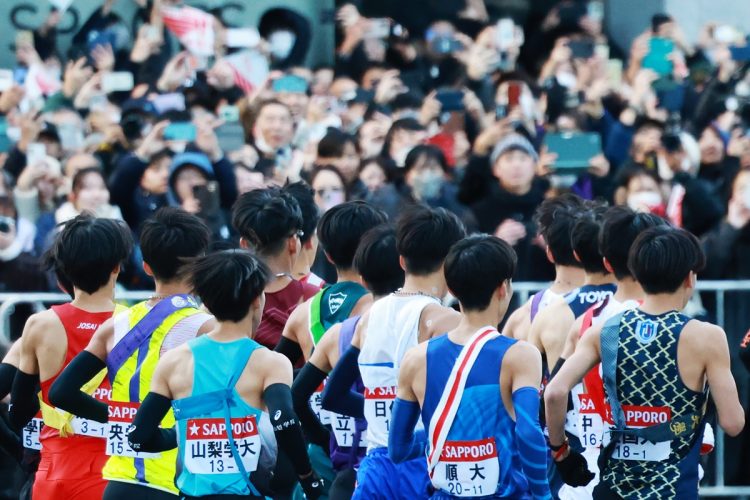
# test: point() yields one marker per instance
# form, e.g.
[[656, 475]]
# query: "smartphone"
[[24, 37], [208, 197], [581, 49], [151, 32], [292, 84], [740, 53], [35, 152], [514, 94], [231, 136], [180, 131], [6, 79], [380, 27], [446, 45], [5, 142], [501, 111], [168, 102], [117, 81], [242, 37], [614, 71], [595, 10], [725, 34], [505, 34], [450, 100], [657, 56], [574, 150], [229, 113]]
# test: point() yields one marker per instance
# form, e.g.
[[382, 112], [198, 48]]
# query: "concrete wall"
[[18, 15]]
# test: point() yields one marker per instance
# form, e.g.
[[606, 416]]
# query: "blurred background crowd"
[[484, 108]]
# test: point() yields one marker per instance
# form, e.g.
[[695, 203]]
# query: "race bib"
[[590, 423], [316, 403], [468, 468], [635, 448], [344, 428], [31, 432], [207, 448], [90, 428], [121, 417], [378, 407]]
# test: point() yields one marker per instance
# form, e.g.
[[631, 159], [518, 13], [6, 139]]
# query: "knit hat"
[[511, 142]]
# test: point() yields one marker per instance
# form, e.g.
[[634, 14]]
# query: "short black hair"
[[620, 227], [170, 239], [87, 250], [332, 144], [377, 260], [266, 218], [476, 266], [428, 152], [424, 236], [341, 228], [305, 196], [662, 258], [584, 238], [555, 218], [228, 282], [80, 175]]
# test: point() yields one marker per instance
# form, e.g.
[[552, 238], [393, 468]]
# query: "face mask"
[[400, 156], [281, 43], [527, 105], [331, 199], [428, 184], [644, 201], [177, 147], [566, 79]]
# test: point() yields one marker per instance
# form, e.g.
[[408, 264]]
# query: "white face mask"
[[427, 185], [331, 199], [644, 201], [566, 79], [400, 156], [281, 43]]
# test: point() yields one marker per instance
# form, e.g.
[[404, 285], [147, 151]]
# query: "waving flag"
[[192, 27]]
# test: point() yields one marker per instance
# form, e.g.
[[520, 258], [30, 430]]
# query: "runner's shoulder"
[[43, 326]]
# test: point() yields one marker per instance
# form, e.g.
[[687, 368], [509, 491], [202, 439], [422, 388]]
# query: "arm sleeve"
[[66, 392], [146, 434], [23, 399], [309, 379], [403, 443], [532, 446], [290, 349], [337, 395], [278, 399], [7, 374]]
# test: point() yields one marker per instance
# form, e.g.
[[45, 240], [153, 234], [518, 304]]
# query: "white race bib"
[[378, 407], [344, 428], [634, 448], [121, 415], [207, 449], [90, 428], [468, 468], [590, 424], [31, 433], [316, 403]]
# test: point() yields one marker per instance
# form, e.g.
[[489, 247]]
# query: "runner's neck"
[[567, 278], [347, 275], [228, 331], [628, 289], [432, 284], [471, 321], [598, 279], [102, 300], [663, 303], [281, 268], [167, 288]]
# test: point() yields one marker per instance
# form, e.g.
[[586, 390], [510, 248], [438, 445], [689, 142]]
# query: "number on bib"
[[31, 433], [207, 448], [121, 417], [468, 468]]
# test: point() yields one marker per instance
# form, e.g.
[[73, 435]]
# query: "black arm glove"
[[23, 399], [146, 434], [278, 399], [337, 395], [7, 374], [574, 470], [309, 379], [290, 349], [66, 393]]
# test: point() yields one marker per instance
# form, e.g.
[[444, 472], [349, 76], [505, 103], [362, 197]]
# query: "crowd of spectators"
[[456, 108]]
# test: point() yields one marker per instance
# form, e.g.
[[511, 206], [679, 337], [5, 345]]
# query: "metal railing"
[[524, 290]]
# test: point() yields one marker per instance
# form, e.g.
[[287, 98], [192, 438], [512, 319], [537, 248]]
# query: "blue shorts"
[[379, 478]]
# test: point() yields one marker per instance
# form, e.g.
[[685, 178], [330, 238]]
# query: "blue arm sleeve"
[[403, 443], [531, 444], [337, 395]]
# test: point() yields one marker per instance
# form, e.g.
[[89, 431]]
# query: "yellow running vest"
[[159, 472]]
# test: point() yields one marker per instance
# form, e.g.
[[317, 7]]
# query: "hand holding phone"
[[450, 100], [208, 197], [574, 150], [180, 131], [657, 58], [117, 81]]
